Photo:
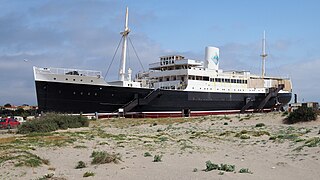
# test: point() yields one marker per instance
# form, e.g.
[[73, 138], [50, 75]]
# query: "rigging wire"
[[113, 58], [274, 65], [128, 57], [136, 53]]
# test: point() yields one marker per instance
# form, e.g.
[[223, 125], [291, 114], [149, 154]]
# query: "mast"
[[124, 34], [263, 55]]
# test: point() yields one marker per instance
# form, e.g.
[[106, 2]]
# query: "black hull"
[[80, 98]]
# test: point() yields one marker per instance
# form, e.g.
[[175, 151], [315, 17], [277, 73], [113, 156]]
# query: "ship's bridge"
[[174, 62]]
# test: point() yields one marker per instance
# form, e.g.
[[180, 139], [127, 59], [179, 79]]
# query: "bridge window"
[[206, 78]]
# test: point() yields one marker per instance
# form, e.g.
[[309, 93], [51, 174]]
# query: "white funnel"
[[212, 58]]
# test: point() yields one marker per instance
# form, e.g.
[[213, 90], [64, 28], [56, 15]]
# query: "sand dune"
[[272, 151]]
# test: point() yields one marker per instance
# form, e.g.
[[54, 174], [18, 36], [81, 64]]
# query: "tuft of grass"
[[313, 142], [81, 165], [88, 174], [222, 167], [46, 176], [157, 158], [23, 158], [147, 154], [211, 166], [292, 137], [260, 125], [163, 138], [244, 136], [102, 157], [245, 170], [227, 167]]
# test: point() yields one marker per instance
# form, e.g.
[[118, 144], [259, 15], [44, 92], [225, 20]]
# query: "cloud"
[[72, 34], [304, 76]]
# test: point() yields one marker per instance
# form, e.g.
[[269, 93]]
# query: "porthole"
[[81, 93], [66, 79], [95, 94], [74, 79], [54, 78], [74, 93], [91, 80], [88, 94]]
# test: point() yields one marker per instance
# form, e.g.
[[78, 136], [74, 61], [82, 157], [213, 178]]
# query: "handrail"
[[64, 71]]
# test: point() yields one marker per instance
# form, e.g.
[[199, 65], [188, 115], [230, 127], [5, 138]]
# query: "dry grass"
[[128, 122]]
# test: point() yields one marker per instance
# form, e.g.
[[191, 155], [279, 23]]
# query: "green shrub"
[[211, 166], [223, 167], [102, 157], [147, 154], [88, 174], [302, 114], [51, 122], [227, 167], [245, 170], [157, 158], [81, 165], [260, 125]]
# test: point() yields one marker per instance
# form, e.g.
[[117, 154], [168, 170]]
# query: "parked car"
[[8, 123]]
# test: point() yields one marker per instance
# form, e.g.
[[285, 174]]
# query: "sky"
[[84, 34]]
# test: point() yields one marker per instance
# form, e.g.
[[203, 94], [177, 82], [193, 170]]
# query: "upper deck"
[[174, 61]]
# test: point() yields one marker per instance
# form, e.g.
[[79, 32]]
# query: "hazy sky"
[[84, 34]]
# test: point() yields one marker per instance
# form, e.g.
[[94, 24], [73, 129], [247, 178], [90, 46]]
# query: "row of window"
[[167, 87], [222, 80], [174, 78]]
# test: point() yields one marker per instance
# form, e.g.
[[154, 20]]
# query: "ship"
[[174, 86]]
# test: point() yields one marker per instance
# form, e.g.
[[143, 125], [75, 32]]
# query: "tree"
[[7, 105]]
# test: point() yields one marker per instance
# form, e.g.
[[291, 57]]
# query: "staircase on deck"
[[141, 101], [273, 92]]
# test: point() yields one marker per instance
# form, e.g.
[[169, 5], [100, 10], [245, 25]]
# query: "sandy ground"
[[273, 151]]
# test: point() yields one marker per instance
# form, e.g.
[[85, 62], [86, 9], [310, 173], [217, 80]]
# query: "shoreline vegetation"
[[246, 146]]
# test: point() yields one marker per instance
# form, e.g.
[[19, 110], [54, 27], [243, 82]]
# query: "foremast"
[[124, 34]]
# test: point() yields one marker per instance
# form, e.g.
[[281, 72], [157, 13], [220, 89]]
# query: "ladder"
[[273, 92]]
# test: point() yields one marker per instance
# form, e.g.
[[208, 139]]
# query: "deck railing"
[[64, 71]]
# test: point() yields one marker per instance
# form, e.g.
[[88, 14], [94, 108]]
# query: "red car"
[[8, 123]]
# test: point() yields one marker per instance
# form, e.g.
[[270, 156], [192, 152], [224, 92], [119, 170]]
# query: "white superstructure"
[[176, 72]]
